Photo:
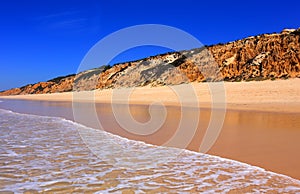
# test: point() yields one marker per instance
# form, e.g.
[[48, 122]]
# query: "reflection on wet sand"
[[266, 139], [46, 154]]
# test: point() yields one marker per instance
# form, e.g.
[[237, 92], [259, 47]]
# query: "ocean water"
[[51, 154]]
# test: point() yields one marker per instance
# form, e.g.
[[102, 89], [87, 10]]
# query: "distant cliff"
[[266, 56]]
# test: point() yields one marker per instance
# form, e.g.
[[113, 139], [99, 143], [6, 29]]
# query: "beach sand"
[[262, 124], [275, 96]]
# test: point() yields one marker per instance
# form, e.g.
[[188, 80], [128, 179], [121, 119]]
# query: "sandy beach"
[[274, 96], [261, 126], [163, 97]]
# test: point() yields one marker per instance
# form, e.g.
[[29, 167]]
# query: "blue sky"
[[40, 40]]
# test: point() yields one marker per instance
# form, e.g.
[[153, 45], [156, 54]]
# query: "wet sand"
[[262, 123], [82, 159], [265, 139]]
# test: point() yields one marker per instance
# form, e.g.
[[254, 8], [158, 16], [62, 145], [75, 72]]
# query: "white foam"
[[11, 153]]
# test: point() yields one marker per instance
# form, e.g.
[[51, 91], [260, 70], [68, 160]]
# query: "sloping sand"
[[278, 95], [250, 137]]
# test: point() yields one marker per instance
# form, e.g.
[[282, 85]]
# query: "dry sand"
[[278, 95]]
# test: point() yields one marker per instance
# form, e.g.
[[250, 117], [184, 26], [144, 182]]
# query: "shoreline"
[[257, 114], [242, 173], [281, 96], [213, 154]]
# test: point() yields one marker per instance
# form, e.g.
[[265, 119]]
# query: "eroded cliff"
[[267, 56]]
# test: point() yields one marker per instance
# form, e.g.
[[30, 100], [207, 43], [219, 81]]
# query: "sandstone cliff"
[[267, 56], [59, 84]]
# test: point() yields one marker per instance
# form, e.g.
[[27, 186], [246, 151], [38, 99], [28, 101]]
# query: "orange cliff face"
[[267, 56], [260, 57], [52, 86]]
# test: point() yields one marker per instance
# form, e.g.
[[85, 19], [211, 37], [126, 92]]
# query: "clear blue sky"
[[43, 39]]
